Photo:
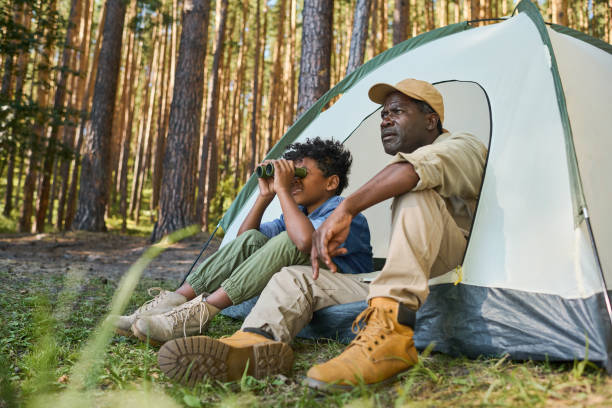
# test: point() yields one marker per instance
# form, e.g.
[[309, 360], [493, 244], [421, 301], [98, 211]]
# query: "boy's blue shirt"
[[358, 259]]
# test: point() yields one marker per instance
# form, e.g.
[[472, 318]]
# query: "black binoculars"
[[267, 171]]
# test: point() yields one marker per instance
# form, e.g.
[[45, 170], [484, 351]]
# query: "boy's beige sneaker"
[[188, 319], [161, 303], [189, 360], [382, 349]]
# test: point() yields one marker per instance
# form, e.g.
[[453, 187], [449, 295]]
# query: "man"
[[241, 269], [429, 166]]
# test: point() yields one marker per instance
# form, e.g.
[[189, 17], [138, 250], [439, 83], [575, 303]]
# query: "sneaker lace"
[[371, 325], [183, 312], [155, 301]]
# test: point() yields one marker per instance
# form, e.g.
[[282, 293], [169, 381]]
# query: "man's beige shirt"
[[452, 166]]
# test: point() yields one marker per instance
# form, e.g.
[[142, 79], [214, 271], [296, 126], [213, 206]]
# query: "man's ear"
[[432, 121], [333, 182]]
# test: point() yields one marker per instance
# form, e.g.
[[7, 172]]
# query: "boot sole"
[[189, 360], [332, 387], [145, 338]]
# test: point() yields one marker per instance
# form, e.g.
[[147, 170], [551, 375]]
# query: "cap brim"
[[378, 92]]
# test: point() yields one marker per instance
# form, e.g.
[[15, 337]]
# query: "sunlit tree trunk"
[[316, 52], [209, 144], [359, 33], [94, 171], [85, 104], [58, 106], [42, 98], [176, 198]]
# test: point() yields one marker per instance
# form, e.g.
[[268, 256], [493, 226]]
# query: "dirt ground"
[[103, 255]]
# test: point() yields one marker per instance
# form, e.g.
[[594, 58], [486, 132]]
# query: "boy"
[[241, 269]]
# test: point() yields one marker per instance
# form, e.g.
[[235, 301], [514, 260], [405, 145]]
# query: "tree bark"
[[401, 21], [176, 198], [94, 170], [42, 97], [559, 12], [360, 32], [58, 107], [316, 52], [209, 143], [85, 104], [255, 104]]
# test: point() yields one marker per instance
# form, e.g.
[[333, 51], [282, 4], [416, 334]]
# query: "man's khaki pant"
[[425, 242]]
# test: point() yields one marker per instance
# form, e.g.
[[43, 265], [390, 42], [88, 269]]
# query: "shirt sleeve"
[[273, 228], [452, 166]]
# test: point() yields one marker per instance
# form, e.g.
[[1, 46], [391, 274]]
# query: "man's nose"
[[386, 121]]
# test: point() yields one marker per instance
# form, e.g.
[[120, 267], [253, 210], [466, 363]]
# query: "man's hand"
[[326, 240]]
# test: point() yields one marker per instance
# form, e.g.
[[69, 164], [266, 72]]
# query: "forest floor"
[[56, 289]]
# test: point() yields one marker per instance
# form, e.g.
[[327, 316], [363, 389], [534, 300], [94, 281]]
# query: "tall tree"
[[559, 12], [256, 91], [401, 21], [360, 32], [176, 195], [58, 107], [93, 186], [208, 159], [316, 52]]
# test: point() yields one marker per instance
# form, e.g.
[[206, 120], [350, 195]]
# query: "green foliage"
[[227, 190]]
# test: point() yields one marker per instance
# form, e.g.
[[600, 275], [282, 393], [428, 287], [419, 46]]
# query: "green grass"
[[54, 352]]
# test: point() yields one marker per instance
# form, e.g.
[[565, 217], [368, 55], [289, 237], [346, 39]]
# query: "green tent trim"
[[525, 6], [347, 83]]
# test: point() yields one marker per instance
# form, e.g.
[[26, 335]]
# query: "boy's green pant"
[[244, 266]]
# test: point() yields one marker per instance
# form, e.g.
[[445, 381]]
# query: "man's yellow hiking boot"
[[382, 349], [190, 359]]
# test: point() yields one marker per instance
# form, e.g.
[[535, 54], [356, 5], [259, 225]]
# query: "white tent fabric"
[[524, 221], [500, 83]]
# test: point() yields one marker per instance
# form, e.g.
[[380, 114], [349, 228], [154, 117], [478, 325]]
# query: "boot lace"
[[371, 326], [155, 301], [183, 312]]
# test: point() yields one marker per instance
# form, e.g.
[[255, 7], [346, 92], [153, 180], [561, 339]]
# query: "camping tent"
[[534, 275]]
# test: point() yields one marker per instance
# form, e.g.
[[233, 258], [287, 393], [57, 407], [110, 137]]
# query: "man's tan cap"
[[420, 90]]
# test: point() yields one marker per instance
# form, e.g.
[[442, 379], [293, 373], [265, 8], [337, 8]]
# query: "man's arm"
[[394, 180]]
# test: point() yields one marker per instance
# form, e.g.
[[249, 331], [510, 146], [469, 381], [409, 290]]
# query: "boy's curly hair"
[[330, 155]]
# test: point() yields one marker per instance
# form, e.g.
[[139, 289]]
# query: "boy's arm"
[[299, 227], [266, 195]]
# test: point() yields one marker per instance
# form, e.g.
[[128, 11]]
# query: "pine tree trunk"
[[316, 52], [94, 170], [85, 104], [559, 12], [209, 142], [256, 90], [359, 33], [132, 81], [160, 142], [176, 198]]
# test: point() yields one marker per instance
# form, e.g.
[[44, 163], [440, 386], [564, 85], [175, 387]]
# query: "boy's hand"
[[284, 174], [266, 185]]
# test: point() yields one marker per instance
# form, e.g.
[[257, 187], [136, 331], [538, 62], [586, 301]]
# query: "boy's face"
[[312, 190]]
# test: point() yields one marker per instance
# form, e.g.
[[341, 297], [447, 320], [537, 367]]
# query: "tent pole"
[[603, 278], [201, 252]]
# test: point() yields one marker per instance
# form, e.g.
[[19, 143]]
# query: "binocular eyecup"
[[267, 171]]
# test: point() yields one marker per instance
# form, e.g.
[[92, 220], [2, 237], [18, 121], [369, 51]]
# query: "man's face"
[[403, 127]]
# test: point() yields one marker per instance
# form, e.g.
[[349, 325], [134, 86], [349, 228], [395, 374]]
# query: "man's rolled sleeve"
[[452, 165]]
